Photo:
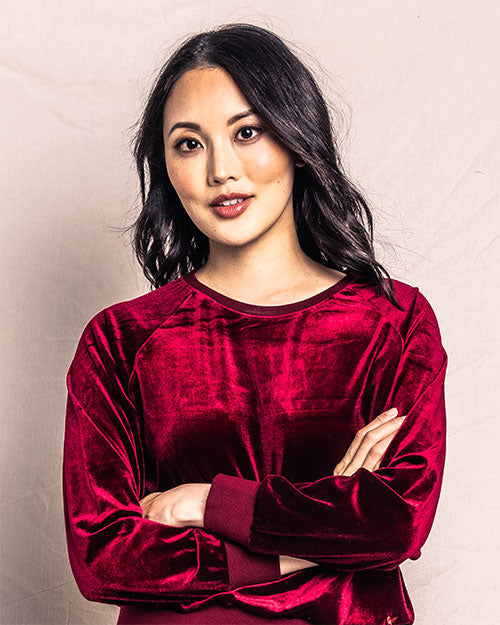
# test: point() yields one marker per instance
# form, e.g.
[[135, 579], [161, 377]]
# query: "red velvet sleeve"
[[367, 520], [116, 555]]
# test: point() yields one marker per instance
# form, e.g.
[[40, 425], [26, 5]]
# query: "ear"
[[299, 163]]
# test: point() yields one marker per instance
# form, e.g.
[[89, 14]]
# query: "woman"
[[263, 435]]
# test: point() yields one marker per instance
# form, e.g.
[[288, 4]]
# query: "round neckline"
[[261, 309]]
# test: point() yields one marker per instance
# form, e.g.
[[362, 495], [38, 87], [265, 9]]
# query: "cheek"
[[184, 180], [271, 166], [187, 182]]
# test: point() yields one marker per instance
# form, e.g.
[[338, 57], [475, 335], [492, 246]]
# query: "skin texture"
[[225, 159], [221, 158]]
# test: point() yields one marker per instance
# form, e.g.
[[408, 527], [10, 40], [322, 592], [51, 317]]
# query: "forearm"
[[185, 505]]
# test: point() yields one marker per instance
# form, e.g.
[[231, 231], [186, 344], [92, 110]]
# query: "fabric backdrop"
[[417, 89]]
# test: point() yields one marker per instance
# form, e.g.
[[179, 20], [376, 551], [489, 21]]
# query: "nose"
[[222, 163]]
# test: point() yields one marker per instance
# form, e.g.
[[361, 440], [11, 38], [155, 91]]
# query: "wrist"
[[197, 509], [203, 503], [189, 507]]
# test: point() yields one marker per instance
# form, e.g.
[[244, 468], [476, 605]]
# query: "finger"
[[371, 438], [148, 506], [390, 438], [385, 416], [359, 438], [376, 453], [153, 512], [149, 497]]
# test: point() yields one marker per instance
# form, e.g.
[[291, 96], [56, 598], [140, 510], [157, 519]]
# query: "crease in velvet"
[[180, 386]]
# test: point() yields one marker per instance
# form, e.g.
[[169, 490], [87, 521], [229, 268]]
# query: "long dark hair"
[[333, 221]]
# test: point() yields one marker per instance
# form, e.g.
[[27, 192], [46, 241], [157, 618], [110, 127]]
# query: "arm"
[[116, 555], [366, 520], [184, 505]]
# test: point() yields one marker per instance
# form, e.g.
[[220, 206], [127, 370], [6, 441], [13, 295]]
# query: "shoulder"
[[416, 313], [124, 326]]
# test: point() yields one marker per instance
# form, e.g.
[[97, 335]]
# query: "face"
[[223, 157]]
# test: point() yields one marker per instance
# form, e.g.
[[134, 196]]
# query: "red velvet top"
[[184, 384]]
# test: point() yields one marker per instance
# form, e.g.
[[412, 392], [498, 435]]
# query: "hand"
[[370, 443], [181, 506], [289, 564]]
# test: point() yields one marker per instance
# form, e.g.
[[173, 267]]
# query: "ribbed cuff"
[[229, 507], [246, 567]]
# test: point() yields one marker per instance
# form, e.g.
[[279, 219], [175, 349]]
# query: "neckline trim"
[[260, 309]]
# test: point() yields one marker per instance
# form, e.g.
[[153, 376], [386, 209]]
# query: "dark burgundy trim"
[[257, 309], [246, 567], [229, 507]]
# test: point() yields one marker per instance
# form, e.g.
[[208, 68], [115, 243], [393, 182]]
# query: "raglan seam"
[[384, 315], [158, 327], [381, 314]]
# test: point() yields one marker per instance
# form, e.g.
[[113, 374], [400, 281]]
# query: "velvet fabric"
[[184, 384]]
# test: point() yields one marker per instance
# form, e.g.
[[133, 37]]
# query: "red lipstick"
[[231, 210]]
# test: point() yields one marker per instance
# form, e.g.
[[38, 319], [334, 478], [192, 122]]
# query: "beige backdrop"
[[418, 85]]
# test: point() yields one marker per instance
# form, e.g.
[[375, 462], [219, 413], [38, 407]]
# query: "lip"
[[224, 197], [234, 210]]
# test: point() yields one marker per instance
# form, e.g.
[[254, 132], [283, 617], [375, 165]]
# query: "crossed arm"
[[120, 554], [184, 505]]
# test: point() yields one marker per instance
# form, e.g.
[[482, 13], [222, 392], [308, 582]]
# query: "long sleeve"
[[370, 519], [116, 555]]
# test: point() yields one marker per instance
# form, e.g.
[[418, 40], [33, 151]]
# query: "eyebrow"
[[197, 127]]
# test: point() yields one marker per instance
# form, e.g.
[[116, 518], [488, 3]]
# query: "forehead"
[[204, 92]]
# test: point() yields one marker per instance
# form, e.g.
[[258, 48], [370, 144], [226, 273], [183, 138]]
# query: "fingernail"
[[392, 412]]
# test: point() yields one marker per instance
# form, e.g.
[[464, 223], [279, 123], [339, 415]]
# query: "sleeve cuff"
[[246, 567], [229, 507]]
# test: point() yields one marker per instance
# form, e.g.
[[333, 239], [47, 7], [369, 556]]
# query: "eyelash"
[[179, 143]]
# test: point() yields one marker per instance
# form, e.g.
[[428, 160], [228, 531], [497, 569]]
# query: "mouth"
[[232, 208]]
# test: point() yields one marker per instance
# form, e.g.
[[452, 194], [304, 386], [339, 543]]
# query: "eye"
[[190, 141], [258, 128]]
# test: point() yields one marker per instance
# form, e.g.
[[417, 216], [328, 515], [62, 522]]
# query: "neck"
[[263, 273]]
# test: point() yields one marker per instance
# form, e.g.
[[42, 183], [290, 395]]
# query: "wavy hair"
[[333, 221]]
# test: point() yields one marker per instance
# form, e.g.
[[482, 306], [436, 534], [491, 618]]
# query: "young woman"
[[262, 436]]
